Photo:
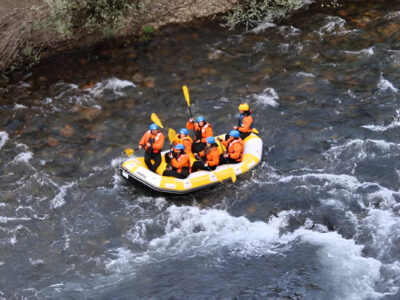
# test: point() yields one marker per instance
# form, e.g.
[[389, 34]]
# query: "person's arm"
[[237, 150], [143, 140], [189, 125], [202, 153], [226, 143]]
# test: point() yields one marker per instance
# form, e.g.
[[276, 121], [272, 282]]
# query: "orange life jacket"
[[180, 162], [245, 124], [205, 131], [156, 139], [212, 156], [235, 148], [186, 141]]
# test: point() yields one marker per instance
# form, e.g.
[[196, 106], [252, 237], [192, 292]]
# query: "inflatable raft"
[[134, 168]]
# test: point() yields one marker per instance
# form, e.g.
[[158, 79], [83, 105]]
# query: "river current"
[[319, 218]]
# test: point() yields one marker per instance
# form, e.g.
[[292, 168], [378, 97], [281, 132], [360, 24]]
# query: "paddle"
[[187, 98], [129, 152], [222, 149], [156, 120], [171, 135]]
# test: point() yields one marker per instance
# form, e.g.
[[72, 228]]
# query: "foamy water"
[[269, 97], [194, 232], [362, 149], [333, 25], [3, 138], [111, 88], [23, 157], [59, 199], [394, 124], [386, 85], [346, 265], [200, 231], [364, 53], [262, 27], [191, 232]]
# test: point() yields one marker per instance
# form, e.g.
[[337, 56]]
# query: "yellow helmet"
[[244, 107]]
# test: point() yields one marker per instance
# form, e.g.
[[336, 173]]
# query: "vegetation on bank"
[[56, 25], [251, 12], [106, 17]]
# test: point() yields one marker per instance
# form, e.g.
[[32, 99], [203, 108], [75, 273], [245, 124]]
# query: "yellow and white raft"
[[135, 168]]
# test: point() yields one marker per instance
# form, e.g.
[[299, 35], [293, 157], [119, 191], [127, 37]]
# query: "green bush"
[[251, 12], [148, 29], [58, 19], [105, 16]]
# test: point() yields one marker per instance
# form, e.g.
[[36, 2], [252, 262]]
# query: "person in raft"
[[234, 149], [180, 163], [245, 125], [209, 156], [183, 138], [152, 141], [202, 130]]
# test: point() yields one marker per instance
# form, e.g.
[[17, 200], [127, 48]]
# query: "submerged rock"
[[52, 142], [67, 131]]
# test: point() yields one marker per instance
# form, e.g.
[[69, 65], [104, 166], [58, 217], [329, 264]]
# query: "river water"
[[319, 218]]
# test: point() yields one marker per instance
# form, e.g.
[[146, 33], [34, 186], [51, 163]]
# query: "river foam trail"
[[191, 232]]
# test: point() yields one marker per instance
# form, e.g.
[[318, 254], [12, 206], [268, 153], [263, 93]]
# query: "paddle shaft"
[[224, 152], [187, 98], [190, 112]]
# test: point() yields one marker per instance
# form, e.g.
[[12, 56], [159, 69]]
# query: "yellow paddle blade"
[[129, 152], [186, 94], [156, 120], [171, 135], [255, 131]]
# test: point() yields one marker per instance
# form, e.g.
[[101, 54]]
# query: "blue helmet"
[[154, 127], [234, 133], [179, 147], [184, 131], [200, 119], [211, 140]]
